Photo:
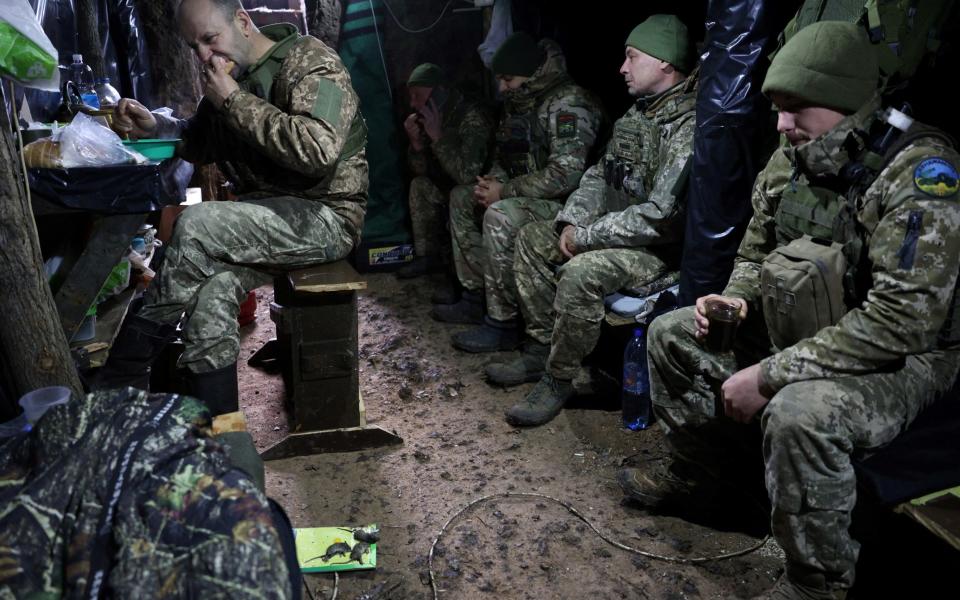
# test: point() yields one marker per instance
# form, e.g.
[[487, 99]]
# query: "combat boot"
[[491, 336], [542, 404], [447, 293], [420, 265], [469, 310], [785, 589], [138, 344], [529, 365], [217, 389]]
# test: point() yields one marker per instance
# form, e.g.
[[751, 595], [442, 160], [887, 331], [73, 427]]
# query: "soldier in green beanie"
[[621, 228], [450, 138], [544, 141], [845, 286]]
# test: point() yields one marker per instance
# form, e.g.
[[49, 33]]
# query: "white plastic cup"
[[37, 402]]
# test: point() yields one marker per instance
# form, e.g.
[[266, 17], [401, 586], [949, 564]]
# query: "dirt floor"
[[458, 448]]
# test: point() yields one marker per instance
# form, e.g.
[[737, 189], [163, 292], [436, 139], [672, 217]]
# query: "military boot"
[[138, 344], [420, 265], [543, 402], [469, 310], [217, 389], [785, 589], [529, 365], [446, 293], [491, 336]]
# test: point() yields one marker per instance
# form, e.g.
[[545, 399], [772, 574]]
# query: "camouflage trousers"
[[809, 429], [562, 302], [483, 244], [428, 216], [221, 250]]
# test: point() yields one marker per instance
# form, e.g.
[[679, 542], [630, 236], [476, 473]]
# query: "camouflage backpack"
[[904, 32]]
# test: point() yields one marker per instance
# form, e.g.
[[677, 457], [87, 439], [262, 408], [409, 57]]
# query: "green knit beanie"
[[830, 63], [425, 75], [519, 54], [664, 37]]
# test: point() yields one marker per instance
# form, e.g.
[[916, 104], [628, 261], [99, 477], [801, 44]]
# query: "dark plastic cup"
[[724, 318]]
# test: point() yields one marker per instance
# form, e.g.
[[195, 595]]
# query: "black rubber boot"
[[447, 292], [420, 265], [138, 344], [217, 389], [491, 336], [469, 310]]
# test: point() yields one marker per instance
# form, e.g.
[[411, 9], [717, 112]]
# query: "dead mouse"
[[333, 550], [356, 555], [370, 535]]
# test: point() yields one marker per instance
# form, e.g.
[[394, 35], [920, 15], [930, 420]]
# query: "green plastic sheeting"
[[360, 51]]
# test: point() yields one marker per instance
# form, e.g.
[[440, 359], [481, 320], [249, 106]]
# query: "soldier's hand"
[[414, 131], [700, 315], [487, 191], [217, 81], [568, 247], [133, 119], [742, 398], [432, 120]]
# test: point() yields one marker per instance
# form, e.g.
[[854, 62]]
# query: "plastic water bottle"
[[635, 396], [83, 79], [107, 94]]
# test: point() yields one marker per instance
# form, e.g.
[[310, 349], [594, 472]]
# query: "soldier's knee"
[[575, 279], [796, 413], [671, 324]]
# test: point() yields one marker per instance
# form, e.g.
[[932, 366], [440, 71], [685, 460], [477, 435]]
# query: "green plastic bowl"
[[153, 149]]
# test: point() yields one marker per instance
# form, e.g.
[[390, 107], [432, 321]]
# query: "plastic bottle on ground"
[[635, 394]]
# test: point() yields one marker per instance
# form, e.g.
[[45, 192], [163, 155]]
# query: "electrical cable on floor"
[[576, 513], [336, 585], [422, 29]]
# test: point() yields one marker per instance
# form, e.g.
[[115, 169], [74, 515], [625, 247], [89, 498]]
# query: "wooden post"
[[32, 344]]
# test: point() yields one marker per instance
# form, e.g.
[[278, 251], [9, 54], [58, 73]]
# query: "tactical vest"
[[633, 157], [522, 144], [259, 80], [819, 270]]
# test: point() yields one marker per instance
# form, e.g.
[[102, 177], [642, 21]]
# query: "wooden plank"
[[347, 439], [337, 276], [938, 512]]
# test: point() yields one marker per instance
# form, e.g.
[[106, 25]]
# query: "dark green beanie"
[[664, 37], [830, 64], [425, 75], [519, 54]]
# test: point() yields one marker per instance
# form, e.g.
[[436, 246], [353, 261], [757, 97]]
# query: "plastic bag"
[[87, 143], [26, 54]]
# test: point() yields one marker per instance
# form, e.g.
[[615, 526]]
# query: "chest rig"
[[263, 81], [522, 144], [633, 155]]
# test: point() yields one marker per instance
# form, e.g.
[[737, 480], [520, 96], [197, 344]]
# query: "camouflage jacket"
[[462, 152], [285, 140], [126, 492], [901, 217], [633, 196], [547, 132]]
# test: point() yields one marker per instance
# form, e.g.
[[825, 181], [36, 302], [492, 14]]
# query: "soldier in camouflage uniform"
[[450, 138], [880, 194], [543, 142], [288, 135], [619, 229]]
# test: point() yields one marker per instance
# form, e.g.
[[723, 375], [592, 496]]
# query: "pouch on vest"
[[802, 284]]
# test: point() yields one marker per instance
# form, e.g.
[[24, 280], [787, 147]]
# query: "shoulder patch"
[[566, 125], [326, 106], [936, 177]]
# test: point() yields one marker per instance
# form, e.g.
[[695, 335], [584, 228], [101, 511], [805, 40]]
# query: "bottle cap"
[[637, 331]]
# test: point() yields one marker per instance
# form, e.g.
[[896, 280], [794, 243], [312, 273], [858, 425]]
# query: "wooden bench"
[[315, 311]]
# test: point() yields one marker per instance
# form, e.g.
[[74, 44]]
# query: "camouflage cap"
[[664, 37], [830, 63], [519, 54], [425, 75]]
